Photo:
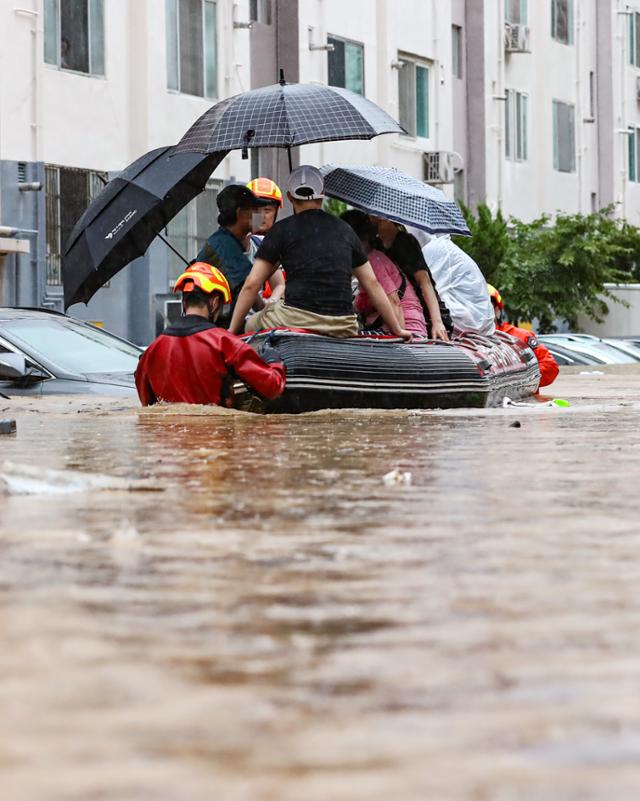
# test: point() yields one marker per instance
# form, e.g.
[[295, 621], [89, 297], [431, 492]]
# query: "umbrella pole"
[[290, 162], [177, 252]]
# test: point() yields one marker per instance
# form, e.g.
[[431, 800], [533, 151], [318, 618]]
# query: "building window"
[[192, 47], [634, 163], [190, 229], [74, 35], [562, 21], [260, 11], [413, 91], [634, 39], [564, 138], [346, 64], [516, 125], [515, 12], [457, 53], [68, 192], [459, 189]]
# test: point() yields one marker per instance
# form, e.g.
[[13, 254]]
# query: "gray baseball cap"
[[306, 183]]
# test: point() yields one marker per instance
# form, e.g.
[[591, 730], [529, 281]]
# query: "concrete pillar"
[[275, 47], [475, 77], [605, 118]]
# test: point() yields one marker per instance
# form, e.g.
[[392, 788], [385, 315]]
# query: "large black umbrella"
[[287, 115], [391, 193], [128, 214]]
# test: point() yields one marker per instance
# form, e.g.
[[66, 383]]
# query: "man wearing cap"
[[225, 248], [319, 253]]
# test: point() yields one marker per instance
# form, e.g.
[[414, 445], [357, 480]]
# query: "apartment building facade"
[[528, 106]]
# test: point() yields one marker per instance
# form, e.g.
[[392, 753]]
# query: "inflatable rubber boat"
[[382, 372]]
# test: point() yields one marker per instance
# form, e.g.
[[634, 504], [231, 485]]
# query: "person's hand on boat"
[[438, 331], [406, 335]]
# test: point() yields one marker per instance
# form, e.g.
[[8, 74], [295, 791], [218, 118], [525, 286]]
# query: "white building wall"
[[103, 123], [550, 71], [423, 30]]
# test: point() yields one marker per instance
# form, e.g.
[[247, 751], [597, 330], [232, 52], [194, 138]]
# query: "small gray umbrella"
[[287, 115], [390, 193]]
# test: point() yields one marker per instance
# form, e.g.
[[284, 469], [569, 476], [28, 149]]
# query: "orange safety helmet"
[[207, 278], [266, 189], [495, 296]]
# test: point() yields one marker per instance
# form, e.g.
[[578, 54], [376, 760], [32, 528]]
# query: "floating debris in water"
[[22, 479], [515, 424], [396, 477], [558, 403], [7, 427]]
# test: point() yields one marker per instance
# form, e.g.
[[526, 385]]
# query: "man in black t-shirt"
[[319, 254]]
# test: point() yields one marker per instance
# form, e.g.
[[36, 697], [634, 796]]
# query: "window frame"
[[516, 125], [261, 11], [633, 154], [570, 40], [415, 62], [54, 7], [194, 239], [523, 13], [172, 49], [633, 38], [333, 38], [457, 51], [556, 139], [95, 182]]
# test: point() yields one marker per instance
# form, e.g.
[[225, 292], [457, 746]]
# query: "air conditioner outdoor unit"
[[516, 38], [438, 167]]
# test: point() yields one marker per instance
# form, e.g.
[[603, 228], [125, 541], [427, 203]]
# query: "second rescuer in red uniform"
[[548, 366], [194, 361]]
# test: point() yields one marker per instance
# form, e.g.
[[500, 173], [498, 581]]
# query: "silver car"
[[44, 352]]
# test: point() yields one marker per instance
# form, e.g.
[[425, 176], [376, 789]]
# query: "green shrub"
[[553, 269]]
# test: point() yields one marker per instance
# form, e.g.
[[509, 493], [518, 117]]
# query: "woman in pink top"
[[401, 294]]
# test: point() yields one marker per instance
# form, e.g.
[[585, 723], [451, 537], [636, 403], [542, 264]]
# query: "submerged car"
[[599, 350], [569, 358], [44, 352]]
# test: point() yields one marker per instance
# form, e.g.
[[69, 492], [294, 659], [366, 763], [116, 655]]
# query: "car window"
[[73, 347]]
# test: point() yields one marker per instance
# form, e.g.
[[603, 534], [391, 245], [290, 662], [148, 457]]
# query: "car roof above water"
[[17, 312]]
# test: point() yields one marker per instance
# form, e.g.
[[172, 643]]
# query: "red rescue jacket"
[[548, 366], [194, 361]]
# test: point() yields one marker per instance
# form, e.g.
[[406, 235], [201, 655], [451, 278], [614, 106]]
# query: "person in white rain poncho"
[[461, 286]]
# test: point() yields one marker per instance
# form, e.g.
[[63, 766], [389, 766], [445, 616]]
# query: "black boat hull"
[[385, 373]]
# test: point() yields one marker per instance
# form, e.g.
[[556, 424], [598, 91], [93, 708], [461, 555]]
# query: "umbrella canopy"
[[287, 115], [128, 214], [390, 193]]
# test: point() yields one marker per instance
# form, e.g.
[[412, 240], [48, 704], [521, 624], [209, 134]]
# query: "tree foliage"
[[553, 270], [335, 207]]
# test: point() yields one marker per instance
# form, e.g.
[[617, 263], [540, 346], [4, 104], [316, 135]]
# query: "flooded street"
[[261, 618]]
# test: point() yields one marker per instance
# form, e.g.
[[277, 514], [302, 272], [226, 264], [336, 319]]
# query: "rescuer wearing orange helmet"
[[548, 366], [266, 189], [194, 360]]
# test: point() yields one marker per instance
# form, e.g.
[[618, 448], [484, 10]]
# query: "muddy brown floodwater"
[[274, 623]]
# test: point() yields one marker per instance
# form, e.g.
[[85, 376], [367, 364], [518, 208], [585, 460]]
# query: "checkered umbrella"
[[287, 115], [390, 193]]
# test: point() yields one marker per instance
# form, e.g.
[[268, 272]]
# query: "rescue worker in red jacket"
[[195, 361], [548, 366]]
